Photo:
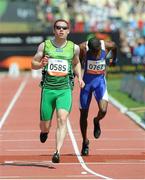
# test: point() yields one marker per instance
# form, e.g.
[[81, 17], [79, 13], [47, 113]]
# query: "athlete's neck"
[[97, 53], [59, 42]]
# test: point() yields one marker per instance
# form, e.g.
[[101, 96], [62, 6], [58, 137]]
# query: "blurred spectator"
[[92, 15], [139, 52]]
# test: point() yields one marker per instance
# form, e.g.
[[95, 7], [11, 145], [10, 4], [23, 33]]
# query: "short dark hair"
[[94, 44], [61, 20]]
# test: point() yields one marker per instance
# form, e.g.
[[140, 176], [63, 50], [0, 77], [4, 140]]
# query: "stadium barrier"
[[134, 86], [20, 48]]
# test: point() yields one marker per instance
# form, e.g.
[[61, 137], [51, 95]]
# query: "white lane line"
[[40, 178], [83, 164], [124, 110], [12, 103], [19, 140], [18, 150], [68, 139], [131, 162], [28, 162], [19, 131], [117, 130], [29, 150], [11, 177], [76, 131]]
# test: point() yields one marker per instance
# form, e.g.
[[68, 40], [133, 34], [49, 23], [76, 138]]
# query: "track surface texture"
[[118, 154]]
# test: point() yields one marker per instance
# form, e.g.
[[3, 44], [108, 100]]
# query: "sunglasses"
[[61, 27]]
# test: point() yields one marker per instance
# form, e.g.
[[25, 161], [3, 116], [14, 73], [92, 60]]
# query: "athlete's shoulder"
[[110, 44], [70, 42], [83, 49], [47, 41], [41, 46], [83, 45]]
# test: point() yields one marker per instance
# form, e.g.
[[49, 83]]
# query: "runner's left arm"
[[111, 46]]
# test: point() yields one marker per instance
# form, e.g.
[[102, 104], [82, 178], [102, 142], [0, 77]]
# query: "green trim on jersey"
[[66, 53]]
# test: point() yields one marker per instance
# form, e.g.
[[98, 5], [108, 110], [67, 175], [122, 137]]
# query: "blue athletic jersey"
[[95, 65], [94, 78]]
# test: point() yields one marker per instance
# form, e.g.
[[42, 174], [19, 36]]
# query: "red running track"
[[117, 154]]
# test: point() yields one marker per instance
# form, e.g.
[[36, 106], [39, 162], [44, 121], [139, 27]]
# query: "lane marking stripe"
[[131, 162], [12, 103], [83, 164], [135, 139]]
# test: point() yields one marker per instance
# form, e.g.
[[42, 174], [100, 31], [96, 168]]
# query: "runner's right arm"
[[39, 60]]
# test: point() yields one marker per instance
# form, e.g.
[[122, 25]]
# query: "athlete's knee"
[[62, 120], [102, 112], [62, 116]]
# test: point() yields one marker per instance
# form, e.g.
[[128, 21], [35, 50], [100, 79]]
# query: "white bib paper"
[[57, 67], [96, 67]]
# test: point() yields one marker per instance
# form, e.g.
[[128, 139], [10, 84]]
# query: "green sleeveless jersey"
[[59, 72]]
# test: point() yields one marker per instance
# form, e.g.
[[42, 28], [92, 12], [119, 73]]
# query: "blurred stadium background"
[[25, 24]]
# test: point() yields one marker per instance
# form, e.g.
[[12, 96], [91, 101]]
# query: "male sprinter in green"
[[58, 57]]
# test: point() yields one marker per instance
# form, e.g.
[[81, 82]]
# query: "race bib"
[[96, 67], [57, 67]]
